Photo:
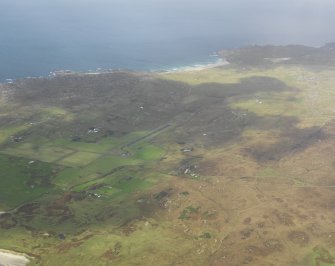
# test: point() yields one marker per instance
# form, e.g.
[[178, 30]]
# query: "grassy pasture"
[[20, 181], [79, 159], [95, 170], [147, 152], [101, 146], [128, 213], [43, 153], [57, 113], [6, 133]]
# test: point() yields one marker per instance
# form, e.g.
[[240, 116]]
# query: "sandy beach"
[[220, 62], [9, 258]]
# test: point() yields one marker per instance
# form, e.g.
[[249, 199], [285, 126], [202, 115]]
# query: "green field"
[[242, 172], [21, 181]]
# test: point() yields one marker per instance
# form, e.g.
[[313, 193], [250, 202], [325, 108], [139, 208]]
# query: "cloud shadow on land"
[[120, 103]]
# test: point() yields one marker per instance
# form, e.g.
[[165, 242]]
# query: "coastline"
[[192, 67], [197, 67], [8, 257]]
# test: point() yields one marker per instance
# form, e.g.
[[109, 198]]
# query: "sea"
[[38, 37]]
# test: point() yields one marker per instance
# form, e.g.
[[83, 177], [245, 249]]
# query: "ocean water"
[[39, 36]]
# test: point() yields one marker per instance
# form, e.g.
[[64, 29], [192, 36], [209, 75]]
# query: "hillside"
[[231, 165]]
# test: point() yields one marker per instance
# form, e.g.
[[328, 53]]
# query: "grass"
[[287, 74], [73, 153], [126, 231], [133, 136], [79, 159], [314, 104], [20, 181], [95, 170], [269, 106], [206, 76], [101, 146], [122, 182], [43, 153], [108, 248], [187, 212], [122, 185], [322, 257], [148, 152], [57, 112], [6, 133]]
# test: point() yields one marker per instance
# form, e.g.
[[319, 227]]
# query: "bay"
[[38, 36]]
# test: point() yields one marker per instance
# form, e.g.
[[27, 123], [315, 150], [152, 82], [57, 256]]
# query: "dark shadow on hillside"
[[291, 141], [245, 87], [120, 103]]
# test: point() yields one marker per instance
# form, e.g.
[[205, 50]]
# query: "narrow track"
[[153, 132]]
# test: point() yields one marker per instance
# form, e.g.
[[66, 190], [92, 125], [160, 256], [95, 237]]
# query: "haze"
[[79, 35]]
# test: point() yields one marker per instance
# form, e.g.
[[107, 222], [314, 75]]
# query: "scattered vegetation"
[[124, 168]]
